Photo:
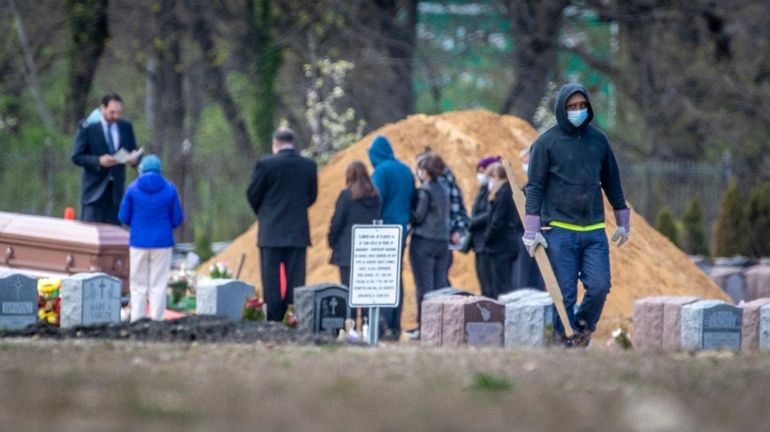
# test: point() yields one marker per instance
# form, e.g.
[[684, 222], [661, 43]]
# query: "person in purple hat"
[[478, 225]]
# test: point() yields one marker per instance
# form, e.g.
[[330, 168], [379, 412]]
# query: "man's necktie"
[[110, 141]]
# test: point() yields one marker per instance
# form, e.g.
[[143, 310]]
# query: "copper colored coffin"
[[57, 245]]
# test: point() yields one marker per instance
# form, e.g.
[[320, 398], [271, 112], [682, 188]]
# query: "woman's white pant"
[[149, 278]]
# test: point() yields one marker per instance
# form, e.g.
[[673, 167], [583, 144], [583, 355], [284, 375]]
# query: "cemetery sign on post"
[[375, 270]]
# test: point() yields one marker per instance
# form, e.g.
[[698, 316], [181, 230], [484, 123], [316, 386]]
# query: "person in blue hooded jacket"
[[395, 184], [570, 164], [152, 210]]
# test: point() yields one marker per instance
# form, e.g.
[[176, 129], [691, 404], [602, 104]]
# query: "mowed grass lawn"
[[108, 385]]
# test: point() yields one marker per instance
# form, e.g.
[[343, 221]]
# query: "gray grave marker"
[[764, 328], [224, 297], [527, 322], [711, 324], [18, 301], [90, 298], [321, 307]]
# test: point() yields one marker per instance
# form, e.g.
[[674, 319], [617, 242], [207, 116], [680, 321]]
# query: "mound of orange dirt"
[[645, 266]]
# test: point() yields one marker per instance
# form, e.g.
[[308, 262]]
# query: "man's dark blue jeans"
[[584, 255]]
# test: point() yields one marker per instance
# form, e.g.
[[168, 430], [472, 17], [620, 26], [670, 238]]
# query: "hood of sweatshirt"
[[380, 151], [560, 111], [151, 183]]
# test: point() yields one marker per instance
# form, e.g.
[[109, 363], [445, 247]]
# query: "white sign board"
[[375, 266]]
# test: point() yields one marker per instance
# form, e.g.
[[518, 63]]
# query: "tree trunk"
[[169, 115], [535, 26], [400, 42], [202, 33], [269, 58], [88, 33]]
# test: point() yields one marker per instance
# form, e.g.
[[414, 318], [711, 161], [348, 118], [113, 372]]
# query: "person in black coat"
[[282, 188], [358, 203], [429, 247], [503, 232], [103, 180], [478, 225]]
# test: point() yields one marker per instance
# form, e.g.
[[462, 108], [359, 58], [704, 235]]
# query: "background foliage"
[[680, 87]]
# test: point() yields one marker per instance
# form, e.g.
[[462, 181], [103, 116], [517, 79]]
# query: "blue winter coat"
[[152, 209], [394, 182]]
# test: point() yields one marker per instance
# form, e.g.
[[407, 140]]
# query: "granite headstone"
[[758, 281], [224, 297], [18, 300], [321, 307], [711, 324], [484, 322], [764, 328], [527, 322], [90, 298], [648, 323], [751, 323], [672, 321]]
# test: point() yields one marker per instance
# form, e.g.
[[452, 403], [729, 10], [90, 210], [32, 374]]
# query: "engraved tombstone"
[[18, 301], [224, 297], [90, 298], [484, 323], [321, 307], [711, 324]]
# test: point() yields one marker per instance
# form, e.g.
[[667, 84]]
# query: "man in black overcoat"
[[282, 188], [103, 180]]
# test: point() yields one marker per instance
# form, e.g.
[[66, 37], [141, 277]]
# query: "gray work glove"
[[623, 221], [532, 236]]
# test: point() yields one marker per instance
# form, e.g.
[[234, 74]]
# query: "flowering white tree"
[[332, 126]]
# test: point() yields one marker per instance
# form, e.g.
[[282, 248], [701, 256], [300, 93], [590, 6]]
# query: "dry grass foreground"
[[127, 386], [645, 266]]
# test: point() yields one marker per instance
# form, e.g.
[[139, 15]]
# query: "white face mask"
[[482, 178], [525, 168]]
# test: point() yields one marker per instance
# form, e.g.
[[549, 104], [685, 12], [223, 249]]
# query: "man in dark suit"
[[103, 180], [282, 188]]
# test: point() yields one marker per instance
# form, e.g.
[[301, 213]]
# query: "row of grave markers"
[[518, 319], [690, 323], [95, 298]]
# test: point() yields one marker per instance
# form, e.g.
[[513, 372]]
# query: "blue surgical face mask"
[[482, 178], [577, 117]]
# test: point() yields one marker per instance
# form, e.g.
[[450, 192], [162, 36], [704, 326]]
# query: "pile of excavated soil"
[[645, 266]]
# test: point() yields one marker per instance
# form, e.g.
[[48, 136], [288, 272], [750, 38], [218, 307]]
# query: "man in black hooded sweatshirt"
[[569, 166]]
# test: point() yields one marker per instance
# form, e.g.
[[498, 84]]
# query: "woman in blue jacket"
[[152, 210]]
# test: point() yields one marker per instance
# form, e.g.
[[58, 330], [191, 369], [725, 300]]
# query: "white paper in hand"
[[122, 156]]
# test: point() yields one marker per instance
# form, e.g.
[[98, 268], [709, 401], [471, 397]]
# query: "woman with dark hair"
[[358, 203], [501, 239], [429, 248], [479, 218]]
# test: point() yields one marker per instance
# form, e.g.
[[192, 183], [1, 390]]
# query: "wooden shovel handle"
[[540, 255]]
